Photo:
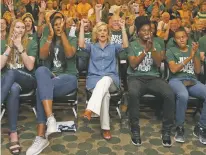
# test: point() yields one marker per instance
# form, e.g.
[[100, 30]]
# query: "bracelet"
[[21, 51], [123, 29], [183, 63], [49, 41], [144, 52], [9, 46], [6, 54]]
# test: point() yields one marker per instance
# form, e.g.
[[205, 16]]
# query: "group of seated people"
[[56, 75]]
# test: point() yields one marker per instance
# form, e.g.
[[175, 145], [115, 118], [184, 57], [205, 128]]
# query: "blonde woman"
[[18, 59], [102, 72]]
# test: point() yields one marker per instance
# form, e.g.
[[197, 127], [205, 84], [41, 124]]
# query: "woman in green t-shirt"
[[56, 78], [18, 59], [184, 63]]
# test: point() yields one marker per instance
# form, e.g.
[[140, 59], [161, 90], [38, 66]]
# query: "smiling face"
[[145, 32], [102, 33], [28, 24], [181, 39], [19, 28]]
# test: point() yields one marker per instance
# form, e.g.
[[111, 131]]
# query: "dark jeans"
[[12, 83], [139, 86], [49, 87]]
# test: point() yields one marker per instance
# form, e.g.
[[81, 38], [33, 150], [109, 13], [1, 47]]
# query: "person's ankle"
[[13, 136], [50, 115]]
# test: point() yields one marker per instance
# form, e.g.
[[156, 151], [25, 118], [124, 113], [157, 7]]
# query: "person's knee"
[[10, 73], [41, 70], [15, 89], [182, 96], [73, 80], [103, 81], [132, 91]]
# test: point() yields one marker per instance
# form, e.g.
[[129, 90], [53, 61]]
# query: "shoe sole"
[[136, 144], [179, 141], [42, 149], [166, 145]]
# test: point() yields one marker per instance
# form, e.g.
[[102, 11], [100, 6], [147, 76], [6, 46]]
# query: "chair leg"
[[118, 111], [34, 110], [2, 113], [74, 109]]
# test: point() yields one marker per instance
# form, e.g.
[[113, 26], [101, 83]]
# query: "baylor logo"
[[189, 67], [145, 65]]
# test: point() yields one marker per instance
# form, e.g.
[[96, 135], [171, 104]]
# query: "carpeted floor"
[[88, 140]]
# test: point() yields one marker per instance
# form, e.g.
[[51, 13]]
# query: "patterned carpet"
[[88, 140]]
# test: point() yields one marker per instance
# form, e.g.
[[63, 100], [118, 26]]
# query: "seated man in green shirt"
[[144, 78]]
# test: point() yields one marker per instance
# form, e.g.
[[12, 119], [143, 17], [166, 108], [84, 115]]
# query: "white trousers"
[[99, 101]]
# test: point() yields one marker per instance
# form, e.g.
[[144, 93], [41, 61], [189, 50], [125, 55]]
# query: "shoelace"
[[181, 131], [136, 134], [36, 142]]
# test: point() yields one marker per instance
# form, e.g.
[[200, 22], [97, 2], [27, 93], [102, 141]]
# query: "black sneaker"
[[179, 135], [135, 136], [200, 133], [166, 140]]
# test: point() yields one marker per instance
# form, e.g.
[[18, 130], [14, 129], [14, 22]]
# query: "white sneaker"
[[38, 145], [51, 125]]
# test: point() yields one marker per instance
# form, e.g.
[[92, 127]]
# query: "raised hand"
[[195, 47], [10, 5], [84, 22], [122, 23], [98, 7], [51, 31], [42, 8]]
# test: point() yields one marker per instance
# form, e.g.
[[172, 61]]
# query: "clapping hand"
[[195, 47], [16, 39]]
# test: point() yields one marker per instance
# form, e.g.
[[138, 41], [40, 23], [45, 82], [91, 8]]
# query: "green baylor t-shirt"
[[174, 54], [147, 66]]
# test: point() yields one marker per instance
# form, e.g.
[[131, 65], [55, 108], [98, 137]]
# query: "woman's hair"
[[155, 24], [24, 40], [61, 55], [141, 21], [29, 15], [95, 30]]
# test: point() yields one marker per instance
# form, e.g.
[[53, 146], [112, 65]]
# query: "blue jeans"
[[12, 83], [182, 95], [49, 87]]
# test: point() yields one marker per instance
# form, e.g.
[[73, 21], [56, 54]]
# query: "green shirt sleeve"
[[3, 46], [32, 48], [202, 44], [170, 56]]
